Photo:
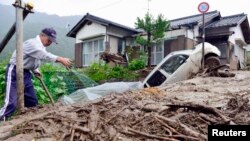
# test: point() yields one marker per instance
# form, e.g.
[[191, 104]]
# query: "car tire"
[[212, 62]]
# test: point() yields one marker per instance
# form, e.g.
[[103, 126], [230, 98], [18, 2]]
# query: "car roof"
[[187, 52]]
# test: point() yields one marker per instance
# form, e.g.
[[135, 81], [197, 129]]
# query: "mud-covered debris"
[[179, 111]]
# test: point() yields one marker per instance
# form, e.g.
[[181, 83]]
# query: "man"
[[34, 51]]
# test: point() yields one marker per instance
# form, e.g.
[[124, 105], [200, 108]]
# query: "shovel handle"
[[46, 90]]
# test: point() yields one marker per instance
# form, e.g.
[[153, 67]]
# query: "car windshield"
[[174, 62]]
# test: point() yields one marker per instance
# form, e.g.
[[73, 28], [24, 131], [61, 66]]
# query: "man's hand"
[[37, 73], [65, 61]]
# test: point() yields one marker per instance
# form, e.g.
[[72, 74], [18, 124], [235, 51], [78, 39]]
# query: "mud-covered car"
[[181, 65]]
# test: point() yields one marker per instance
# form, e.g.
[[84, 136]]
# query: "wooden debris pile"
[[147, 114], [113, 58]]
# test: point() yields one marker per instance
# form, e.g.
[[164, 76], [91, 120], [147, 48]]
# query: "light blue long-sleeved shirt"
[[33, 53]]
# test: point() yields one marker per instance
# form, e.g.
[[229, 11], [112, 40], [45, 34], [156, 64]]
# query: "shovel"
[[46, 90]]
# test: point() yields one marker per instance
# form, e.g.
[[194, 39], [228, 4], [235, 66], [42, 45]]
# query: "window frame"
[[155, 53], [93, 55]]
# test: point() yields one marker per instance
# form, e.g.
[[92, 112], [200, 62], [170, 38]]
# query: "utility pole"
[[21, 12], [19, 54]]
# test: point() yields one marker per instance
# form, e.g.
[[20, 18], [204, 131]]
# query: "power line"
[[108, 5]]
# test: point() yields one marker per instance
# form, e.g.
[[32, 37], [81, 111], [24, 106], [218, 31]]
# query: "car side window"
[[174, 62]]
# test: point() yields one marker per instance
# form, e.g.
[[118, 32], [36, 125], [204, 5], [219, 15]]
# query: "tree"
[[154, 30]]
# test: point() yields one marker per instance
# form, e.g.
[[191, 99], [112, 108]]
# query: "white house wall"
[[196, 31], [237, 34], [91, 30], [239, 48], [190, 34]]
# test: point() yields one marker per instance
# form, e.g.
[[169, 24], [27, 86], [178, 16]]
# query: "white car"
[[181, 65]]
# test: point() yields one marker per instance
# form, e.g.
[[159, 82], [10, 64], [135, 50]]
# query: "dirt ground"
[[179, 111]]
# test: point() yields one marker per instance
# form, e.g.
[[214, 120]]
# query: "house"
[[94, 35], [231, 34]]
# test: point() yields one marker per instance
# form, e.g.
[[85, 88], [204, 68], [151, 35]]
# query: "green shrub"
[[136, 64], [3, 65], [103, 73], [98, 72], [53, 81]]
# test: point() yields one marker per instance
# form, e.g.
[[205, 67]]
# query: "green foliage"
[[98, 72], [159, 28], [57, 79], [102, 73], [3, 65], [141, 40], [146, 23], [54, 82], [154, 29], [136, 64]]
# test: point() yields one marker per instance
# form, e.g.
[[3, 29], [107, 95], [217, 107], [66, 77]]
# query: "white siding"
[[91, 30], [237, 34], [240, 50]]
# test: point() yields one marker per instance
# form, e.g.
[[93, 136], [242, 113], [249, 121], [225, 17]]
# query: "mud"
[[179, 111]]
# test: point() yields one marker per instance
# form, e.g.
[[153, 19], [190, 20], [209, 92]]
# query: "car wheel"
[[212, 62]]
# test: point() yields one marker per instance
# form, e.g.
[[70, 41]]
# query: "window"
[[92, 50], [173, 63], [157, 53], [121, 46]]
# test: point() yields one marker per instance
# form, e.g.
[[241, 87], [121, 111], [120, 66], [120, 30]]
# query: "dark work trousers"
[[10, 100]]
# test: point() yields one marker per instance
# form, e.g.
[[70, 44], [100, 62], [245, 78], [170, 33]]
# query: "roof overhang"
[[245, 30], [90, 18], [219, 34], [93, 36]]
